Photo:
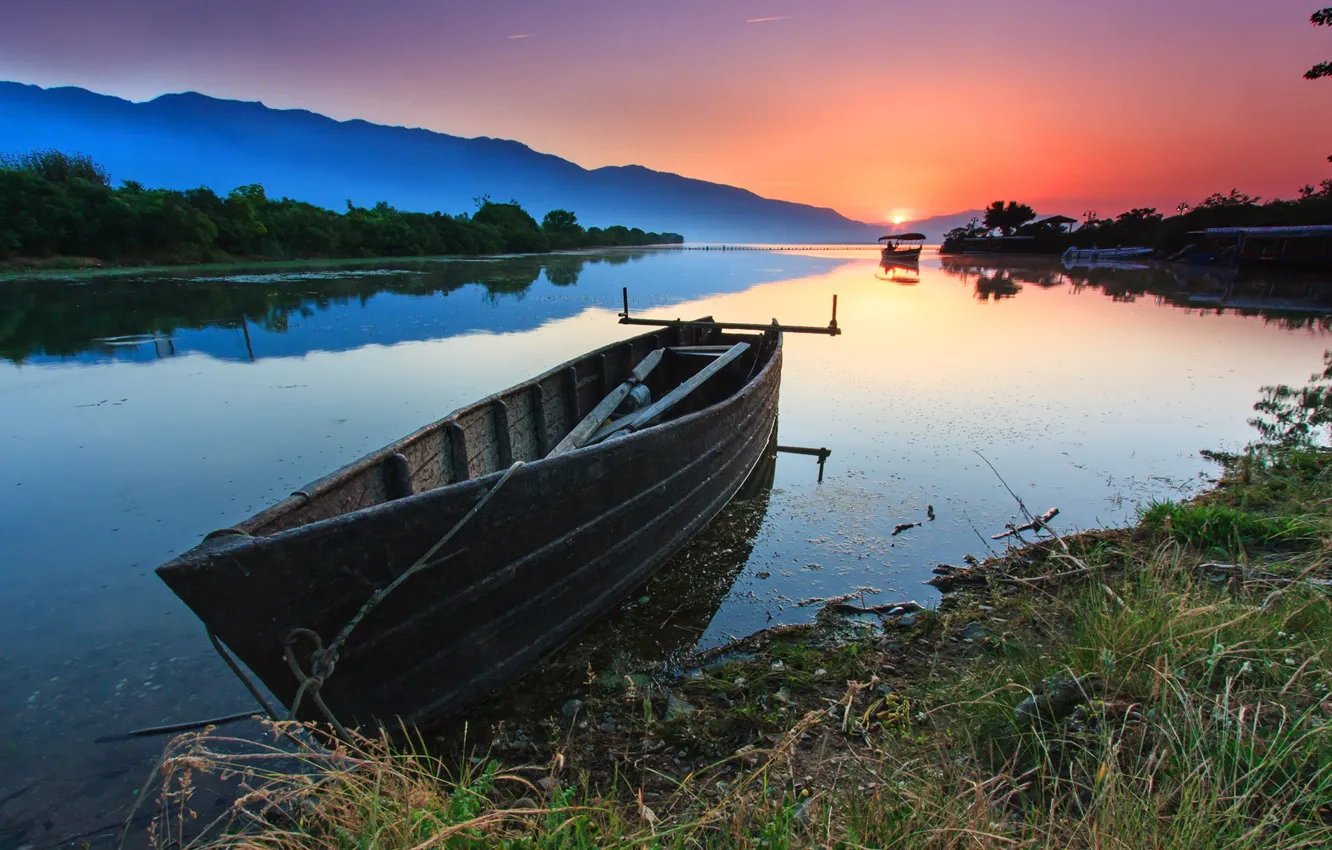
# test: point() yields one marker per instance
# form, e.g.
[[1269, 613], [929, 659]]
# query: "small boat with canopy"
[[902, 246]]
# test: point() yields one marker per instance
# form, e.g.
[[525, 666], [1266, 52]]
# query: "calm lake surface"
[[138, 414]]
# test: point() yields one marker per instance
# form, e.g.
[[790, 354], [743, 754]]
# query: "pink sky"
[[874, 108]]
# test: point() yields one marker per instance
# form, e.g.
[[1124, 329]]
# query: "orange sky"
[[868, 106]]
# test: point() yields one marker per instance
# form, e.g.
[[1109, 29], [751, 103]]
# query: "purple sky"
[[875, 108]]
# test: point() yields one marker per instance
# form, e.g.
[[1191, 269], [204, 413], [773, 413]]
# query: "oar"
[[645, 417], [578, 437]]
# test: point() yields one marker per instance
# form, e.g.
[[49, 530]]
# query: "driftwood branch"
[[858, 593], [892, 609], [1036, 524]]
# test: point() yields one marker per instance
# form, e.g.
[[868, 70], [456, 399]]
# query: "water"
[[136, 415]]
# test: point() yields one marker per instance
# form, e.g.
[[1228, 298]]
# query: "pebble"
[[974, 631], [679, 707]]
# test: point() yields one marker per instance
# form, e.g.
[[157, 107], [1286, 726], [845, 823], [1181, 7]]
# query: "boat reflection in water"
[[660, 622], [899, 271]]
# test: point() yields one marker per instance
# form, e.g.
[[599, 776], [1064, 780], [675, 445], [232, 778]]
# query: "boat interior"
[[685, 367]]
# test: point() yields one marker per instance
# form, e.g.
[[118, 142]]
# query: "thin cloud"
[[765, 20], [523, 35]]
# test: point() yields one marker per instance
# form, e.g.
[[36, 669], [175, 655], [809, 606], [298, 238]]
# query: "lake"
[[138, 414]]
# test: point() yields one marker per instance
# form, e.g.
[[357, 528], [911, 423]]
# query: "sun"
[[899, 219]]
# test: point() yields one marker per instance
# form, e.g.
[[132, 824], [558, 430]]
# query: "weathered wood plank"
[[458, 452], [644, 417], [578, 437], [503, 439], [571, 388], [539, 418], [397, 476]]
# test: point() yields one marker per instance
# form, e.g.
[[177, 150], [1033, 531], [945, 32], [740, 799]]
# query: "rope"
[[324, 660], [240, 674]]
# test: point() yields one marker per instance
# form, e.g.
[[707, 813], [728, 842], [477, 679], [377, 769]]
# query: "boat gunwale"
[[239, 535]]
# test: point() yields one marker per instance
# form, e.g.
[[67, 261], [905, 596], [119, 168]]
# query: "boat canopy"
[[903, 237]]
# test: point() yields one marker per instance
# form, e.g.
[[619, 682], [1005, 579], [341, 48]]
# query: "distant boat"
[[902, 246], [1082, 256]]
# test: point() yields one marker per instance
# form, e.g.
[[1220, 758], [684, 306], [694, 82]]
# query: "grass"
[[1112, 690]]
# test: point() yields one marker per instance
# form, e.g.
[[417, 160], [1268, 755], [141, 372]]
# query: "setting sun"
[[899, 219]]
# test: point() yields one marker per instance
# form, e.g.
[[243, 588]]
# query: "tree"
[[521, 233], [562, 229], [1236, 198], [1321, 18], [1008, 218]]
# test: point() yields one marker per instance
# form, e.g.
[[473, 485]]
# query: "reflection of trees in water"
[[995, 286], [65, 318], [1287, 300]]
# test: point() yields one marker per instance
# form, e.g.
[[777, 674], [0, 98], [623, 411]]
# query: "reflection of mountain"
[[664, 619], [1293, 301], [283, 314]]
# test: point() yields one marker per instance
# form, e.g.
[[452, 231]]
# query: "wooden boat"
[[1080, 256], [902, 246], [490, 565]]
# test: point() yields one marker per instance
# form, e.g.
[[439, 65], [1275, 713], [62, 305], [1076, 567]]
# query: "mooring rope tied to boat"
[[324, 660]]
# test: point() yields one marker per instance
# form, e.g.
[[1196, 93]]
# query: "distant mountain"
[[181, 141], [935, 227]]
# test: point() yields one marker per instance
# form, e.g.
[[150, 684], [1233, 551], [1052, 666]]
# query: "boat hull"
[[559, 543], [902, 254]]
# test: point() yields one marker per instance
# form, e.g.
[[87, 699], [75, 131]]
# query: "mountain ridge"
[[183, 140]]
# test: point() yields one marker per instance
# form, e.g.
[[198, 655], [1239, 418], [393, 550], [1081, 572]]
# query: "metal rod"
[[821, 454], [173, 728], [831, 330], [742, 326]]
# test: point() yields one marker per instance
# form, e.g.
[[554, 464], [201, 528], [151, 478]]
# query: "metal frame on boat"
[[345, 594]]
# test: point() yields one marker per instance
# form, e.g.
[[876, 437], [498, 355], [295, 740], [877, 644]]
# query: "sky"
[[877, 108]]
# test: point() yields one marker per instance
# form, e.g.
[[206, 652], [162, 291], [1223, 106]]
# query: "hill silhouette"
[[187, 140]]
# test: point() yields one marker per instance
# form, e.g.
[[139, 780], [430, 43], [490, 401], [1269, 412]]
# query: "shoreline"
[[80, 271], [1089, 688]]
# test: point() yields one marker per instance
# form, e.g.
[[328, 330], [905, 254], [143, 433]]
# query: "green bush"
[[54, 204]]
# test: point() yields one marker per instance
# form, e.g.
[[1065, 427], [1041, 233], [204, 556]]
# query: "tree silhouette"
[[1008, 218], [1321, 18]]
